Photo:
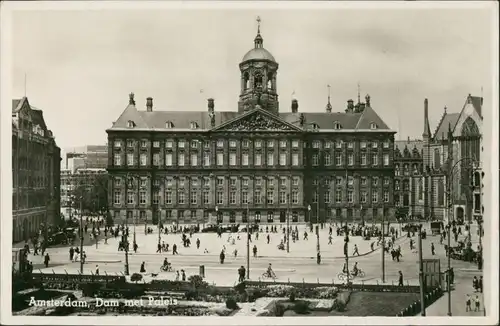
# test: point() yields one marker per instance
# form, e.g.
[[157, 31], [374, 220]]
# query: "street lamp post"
[[81, 234], [421, 271], [383, 248], [310, 219], [288, 226], [346, 248], [448, 282], [217, 215], [248, 242]]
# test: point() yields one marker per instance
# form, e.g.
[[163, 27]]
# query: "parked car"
[[210, 228], [253, 228]]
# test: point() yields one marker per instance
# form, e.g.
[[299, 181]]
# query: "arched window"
[[396, 168], [282, 217], [220, 217], [246, 80], [232, 217], [244, 217], [257, 80], [130, 124], [270, 217], [406, 169], [270, 81], [169, 125], [257, 217], [373, 125], [337, 125], [295, 217], [406, 185], [396, 185]]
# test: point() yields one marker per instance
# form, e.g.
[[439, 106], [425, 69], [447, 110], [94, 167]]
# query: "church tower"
[[258, 78]]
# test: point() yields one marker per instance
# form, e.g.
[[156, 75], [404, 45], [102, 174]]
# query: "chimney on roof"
[[295, 106], [350, 106], [367, 100], [211, 111], [131, 100], [361, 107], [149, 104]]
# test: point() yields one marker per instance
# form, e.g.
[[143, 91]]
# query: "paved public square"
[[296, 266]]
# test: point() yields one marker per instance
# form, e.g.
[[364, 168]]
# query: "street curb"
[[103, 261]]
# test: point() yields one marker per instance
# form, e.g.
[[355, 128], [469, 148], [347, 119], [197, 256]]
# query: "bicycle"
[[343, 276], [268, 274], [167, 268]]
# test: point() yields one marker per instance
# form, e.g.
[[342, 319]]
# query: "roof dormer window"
[[337, 125], [194, 125], [315, 126], [373, 125], [169, 125], [130, 124]]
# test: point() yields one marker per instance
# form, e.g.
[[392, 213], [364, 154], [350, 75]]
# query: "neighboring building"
[[36, 165], [259, 161], [444, 167], [87, 157], [70, 180]]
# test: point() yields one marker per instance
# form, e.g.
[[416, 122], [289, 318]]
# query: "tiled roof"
[[182, 119], [442, 129]]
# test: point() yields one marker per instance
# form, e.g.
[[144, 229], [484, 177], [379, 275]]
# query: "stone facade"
[[36, 165]]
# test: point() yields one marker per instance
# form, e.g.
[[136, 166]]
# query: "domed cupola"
[[258, 78]]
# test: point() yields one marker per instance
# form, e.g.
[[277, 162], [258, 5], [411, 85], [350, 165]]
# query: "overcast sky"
[[81, 65]]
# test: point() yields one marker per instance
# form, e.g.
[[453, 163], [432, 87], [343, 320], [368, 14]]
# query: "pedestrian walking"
[[177, 275], [198, 242], [330, 239], [400, 281], [183, 275], [158, 248], [477, 303], [268, 238], [355, 252], [143, 267], [468, 303], [174, 249], [46, 260], [96, 269], [475, 284], [254, 250], [433, 249]]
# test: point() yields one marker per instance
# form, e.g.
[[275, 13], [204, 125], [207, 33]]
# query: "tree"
[[91, 195]]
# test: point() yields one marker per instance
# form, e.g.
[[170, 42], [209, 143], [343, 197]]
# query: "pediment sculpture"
[[258, 122]]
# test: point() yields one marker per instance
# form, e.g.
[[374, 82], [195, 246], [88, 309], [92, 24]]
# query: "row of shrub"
[[350, 286], [416, 307]]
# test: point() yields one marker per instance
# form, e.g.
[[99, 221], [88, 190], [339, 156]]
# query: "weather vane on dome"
[[258, 24]]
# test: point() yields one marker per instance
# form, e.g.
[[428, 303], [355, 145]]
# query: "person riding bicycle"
[[270, 272], [166, 264], [355, 269]]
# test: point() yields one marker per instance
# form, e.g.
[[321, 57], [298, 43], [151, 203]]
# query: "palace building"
[[259, 162]]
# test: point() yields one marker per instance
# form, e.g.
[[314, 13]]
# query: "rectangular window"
[[168, 197], [338, 159], [350, 181], [143, 159], [232, 143], [386, 159], [363, 181], [386, 144], [270, 197], [328, 159], [220, 159], [182, 182], [258, 160], [245, 143], [181, 198], [193, 198], [258, 144], [363, 159], [387, 181], [194, 143], [258, 182], [328, 144], [130, 159], [220, 143], [338, 144], [130, 143], [350, 197], [270, 143], [169, 144], [206, 197], [206, 159], [315, 160], [363, 144], [181, 144], [144, 143], [270, 159], [117, 160], [117, 197], [375, 181], [181, 161], [363, 196], [118, 182], [350, 145], [232, 182], [282, 197], [374, 197], [386, 196], [220, 181], [168, 159], [244, 197], [244, 159], [295, 159], [295, 181], [374, 159], [283, 182], [270, 182], [206, 145], [282, 143], [143, 182], [282, 159], [338, 196], [316, 144], [156, 144], [156, 197], [194, 159], [327, 197], [117, 144], [257, 198], [375, 144], [220, 197], [295, 197], [142, 197], [156, 159], [244, 182], [295, 143], [315, 197], [350, 159], [130, 197], [232, 159]]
